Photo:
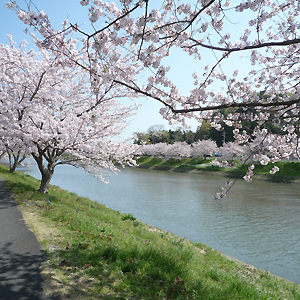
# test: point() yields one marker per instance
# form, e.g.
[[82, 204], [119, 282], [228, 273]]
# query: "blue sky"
[[182, 66]]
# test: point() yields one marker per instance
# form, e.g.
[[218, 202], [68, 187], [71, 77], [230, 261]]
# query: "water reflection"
[[257, 222]]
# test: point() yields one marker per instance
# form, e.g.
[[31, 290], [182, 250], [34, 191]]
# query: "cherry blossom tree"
[[269, 148], [178, 150], [15, 151], [50, 107], [154, 150], [204, 148], [231, 149], [133, 37]]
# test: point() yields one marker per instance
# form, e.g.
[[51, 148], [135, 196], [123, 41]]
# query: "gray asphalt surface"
[[20, 253]]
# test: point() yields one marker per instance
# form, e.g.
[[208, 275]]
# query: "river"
[[257, 223]]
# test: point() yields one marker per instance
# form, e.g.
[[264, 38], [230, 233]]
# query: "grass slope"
[[288, 170], [98, 253]]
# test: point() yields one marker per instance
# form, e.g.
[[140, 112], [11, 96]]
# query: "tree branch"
[[115, 21], [212, 107], [229, 50]]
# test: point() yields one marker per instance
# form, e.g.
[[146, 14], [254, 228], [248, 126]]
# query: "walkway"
[[20, 253]]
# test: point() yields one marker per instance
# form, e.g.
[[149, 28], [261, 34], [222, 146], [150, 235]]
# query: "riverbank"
[[95, 252], [289, 170]]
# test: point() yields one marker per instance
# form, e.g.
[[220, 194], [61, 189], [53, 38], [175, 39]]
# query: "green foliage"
[[115, 256], [128, 217], [156, 134], [202, 132]]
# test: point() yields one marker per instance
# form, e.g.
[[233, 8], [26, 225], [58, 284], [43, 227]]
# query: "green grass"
[[98, 253], [288, 169], [171, 164]]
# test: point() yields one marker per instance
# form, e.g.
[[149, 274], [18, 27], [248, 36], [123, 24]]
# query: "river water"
[[257, 223]]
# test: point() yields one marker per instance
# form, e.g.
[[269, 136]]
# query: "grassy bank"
[[97, 253], [289, 170]]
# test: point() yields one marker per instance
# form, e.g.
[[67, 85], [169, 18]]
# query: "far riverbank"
[[289, 170]]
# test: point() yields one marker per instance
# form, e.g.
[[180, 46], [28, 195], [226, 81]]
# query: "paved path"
[[20, 253]]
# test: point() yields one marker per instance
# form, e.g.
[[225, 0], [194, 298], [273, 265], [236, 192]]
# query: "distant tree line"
[[158, 134]]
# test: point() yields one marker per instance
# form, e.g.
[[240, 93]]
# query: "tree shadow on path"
[[21, 255], [20, 277]]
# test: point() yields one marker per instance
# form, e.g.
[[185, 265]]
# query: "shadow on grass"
[[5, 195], [148, 273], [21, 187], [162, 168], [184, 169]]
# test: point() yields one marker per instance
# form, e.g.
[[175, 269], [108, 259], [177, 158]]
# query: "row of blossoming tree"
[[208, 148], [179, 150], [129, 39]]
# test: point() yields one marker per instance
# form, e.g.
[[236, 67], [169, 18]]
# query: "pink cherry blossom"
[[204, 148], [50, 110]]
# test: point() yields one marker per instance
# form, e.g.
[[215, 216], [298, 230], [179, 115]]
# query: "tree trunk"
[[12, 166], [14, 159], [12, 163], [45, 182], [46, 172], [2, 154]]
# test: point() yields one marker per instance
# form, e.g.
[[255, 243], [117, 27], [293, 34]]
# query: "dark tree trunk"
[[45, 182], [11, 163], [12, 166], [17, 159], [2, 154], [46, 172]]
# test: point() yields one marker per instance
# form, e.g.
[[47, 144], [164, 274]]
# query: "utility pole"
[[224, 134]]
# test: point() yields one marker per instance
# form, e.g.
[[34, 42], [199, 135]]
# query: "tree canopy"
[[49, 111]]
